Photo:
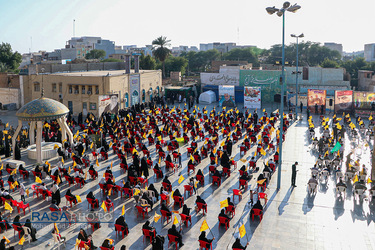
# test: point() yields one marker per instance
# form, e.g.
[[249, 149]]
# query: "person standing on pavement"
[[307, 113], [301, 106], [294, 173]]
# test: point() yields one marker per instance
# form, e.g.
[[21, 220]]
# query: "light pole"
[[300, 36], [281, 12]]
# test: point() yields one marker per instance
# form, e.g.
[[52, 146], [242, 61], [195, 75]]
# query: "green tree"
[[10, 60], [175, 64], [352, 68], [147, 62], [161, 51], [201, 61], [96, 54], [327, 63], [246, 54]]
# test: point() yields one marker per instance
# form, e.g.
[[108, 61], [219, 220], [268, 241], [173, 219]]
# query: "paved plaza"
[[292, 218]]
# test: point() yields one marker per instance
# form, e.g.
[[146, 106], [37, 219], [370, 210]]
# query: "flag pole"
[[210, 230]]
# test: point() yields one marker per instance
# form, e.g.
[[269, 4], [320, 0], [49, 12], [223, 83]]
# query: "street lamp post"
[[281, 12], [300, 36]]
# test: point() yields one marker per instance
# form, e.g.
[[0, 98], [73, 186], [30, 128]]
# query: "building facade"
[[334, 46], [370, 52]]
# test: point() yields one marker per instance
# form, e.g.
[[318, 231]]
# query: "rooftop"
[[100, 73]]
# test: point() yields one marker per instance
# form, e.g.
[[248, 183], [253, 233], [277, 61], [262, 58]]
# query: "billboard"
[[230, 77], [134, 83], [108, 103], [226, 96], [315, 99], [343, 101], [267, 80], [363, 100], [252, 97]]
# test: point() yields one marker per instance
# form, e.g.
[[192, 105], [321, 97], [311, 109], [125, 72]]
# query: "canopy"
[[207, 97]]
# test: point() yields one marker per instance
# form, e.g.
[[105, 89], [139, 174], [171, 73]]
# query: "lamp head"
[[271, 10], [294, 8], [292, 35], [286, 5], [280, 13], [302, 35]]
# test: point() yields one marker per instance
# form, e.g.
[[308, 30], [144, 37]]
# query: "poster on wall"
[[316, 98], [226, 96], [108, 103], [252, 98], [134, 82], [363, 100], [343, 101]]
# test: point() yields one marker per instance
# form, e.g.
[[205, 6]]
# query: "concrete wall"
[[53, 68], [9, 80], [10, 95], [369, 52]]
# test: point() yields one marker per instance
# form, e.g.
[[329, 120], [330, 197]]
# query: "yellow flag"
[[15, 183], [260, 182], [214, 152], [6, 239], [110, 144], [56, 229], [58, 181], [97, 162], [191, 157], [123, 210], [137, 191], [27, 192], [78, 198], [2, 166], [224, 203], [11, 186], [22, 240], [62, 160], [262, 151], [175, 221], [242, 230], [222, 144], [8, 207], [104, 207], [134, 151], [77, 242], [92, 144], [69, 169], [355, 179], [204, 226], [6, 125], [14, 171], [369, 180], [111, 164], [196, 184], [110, 192], [38, 180], [157, 217], [74, 164], [181, 179]]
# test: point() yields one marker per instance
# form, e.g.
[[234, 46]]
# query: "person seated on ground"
[[186, 210], [58, 235], [237, 244], [4, 226], [69, 193], [152, 188], [257, 205], [166, 180], [32, 230], [177, 193], [107, 243], [223, 214], [121, 221], [166, 209], [149, 201], [157, 243], [173, 231], [203, 237], [95, 203], [86, 238]]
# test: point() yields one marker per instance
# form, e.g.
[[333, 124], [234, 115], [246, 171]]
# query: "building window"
[[76, 90], [53, 87], [37, 87], [305, 74], [84, 106], [60, 87], [83, 90], [89, 90], [70, 89], [97, 90], [92, 106]]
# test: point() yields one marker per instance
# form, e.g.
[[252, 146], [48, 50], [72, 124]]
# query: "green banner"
[[267, 80]]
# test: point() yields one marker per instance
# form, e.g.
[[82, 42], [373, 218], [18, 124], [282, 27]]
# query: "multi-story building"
[[334, 46], [222, 47], [370, 52]]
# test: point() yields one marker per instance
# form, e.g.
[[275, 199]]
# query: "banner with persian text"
[[252, 98]]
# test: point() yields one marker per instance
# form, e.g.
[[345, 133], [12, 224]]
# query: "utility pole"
[[373, 158]]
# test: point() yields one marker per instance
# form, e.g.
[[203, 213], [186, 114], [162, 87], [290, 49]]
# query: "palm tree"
[[160, 50]]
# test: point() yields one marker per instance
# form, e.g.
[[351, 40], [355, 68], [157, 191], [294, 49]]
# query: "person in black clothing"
[[186, 210], [152, 188], [316, 108], [121, 221], [144, 167], [68, 193], [107, 244], [217, 173], [256, 206], [90, 195], [223, 214], [21, 167], [200, 200], [203, 237], [237, 244], [229, 147], [166, 209], [158, 243], [294, 174], [16, 221], [229, 202], [32, 230], [166, 180], [88, 239], [173, 231], [4, 225], [149, 201], [200, 172], [177, 193], [108, 171], [148, 227]]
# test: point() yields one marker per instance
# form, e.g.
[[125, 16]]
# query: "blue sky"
[[50, 22]]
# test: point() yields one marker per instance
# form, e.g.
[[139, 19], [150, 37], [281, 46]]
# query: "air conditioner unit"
[[60, 96], [89, 92]]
